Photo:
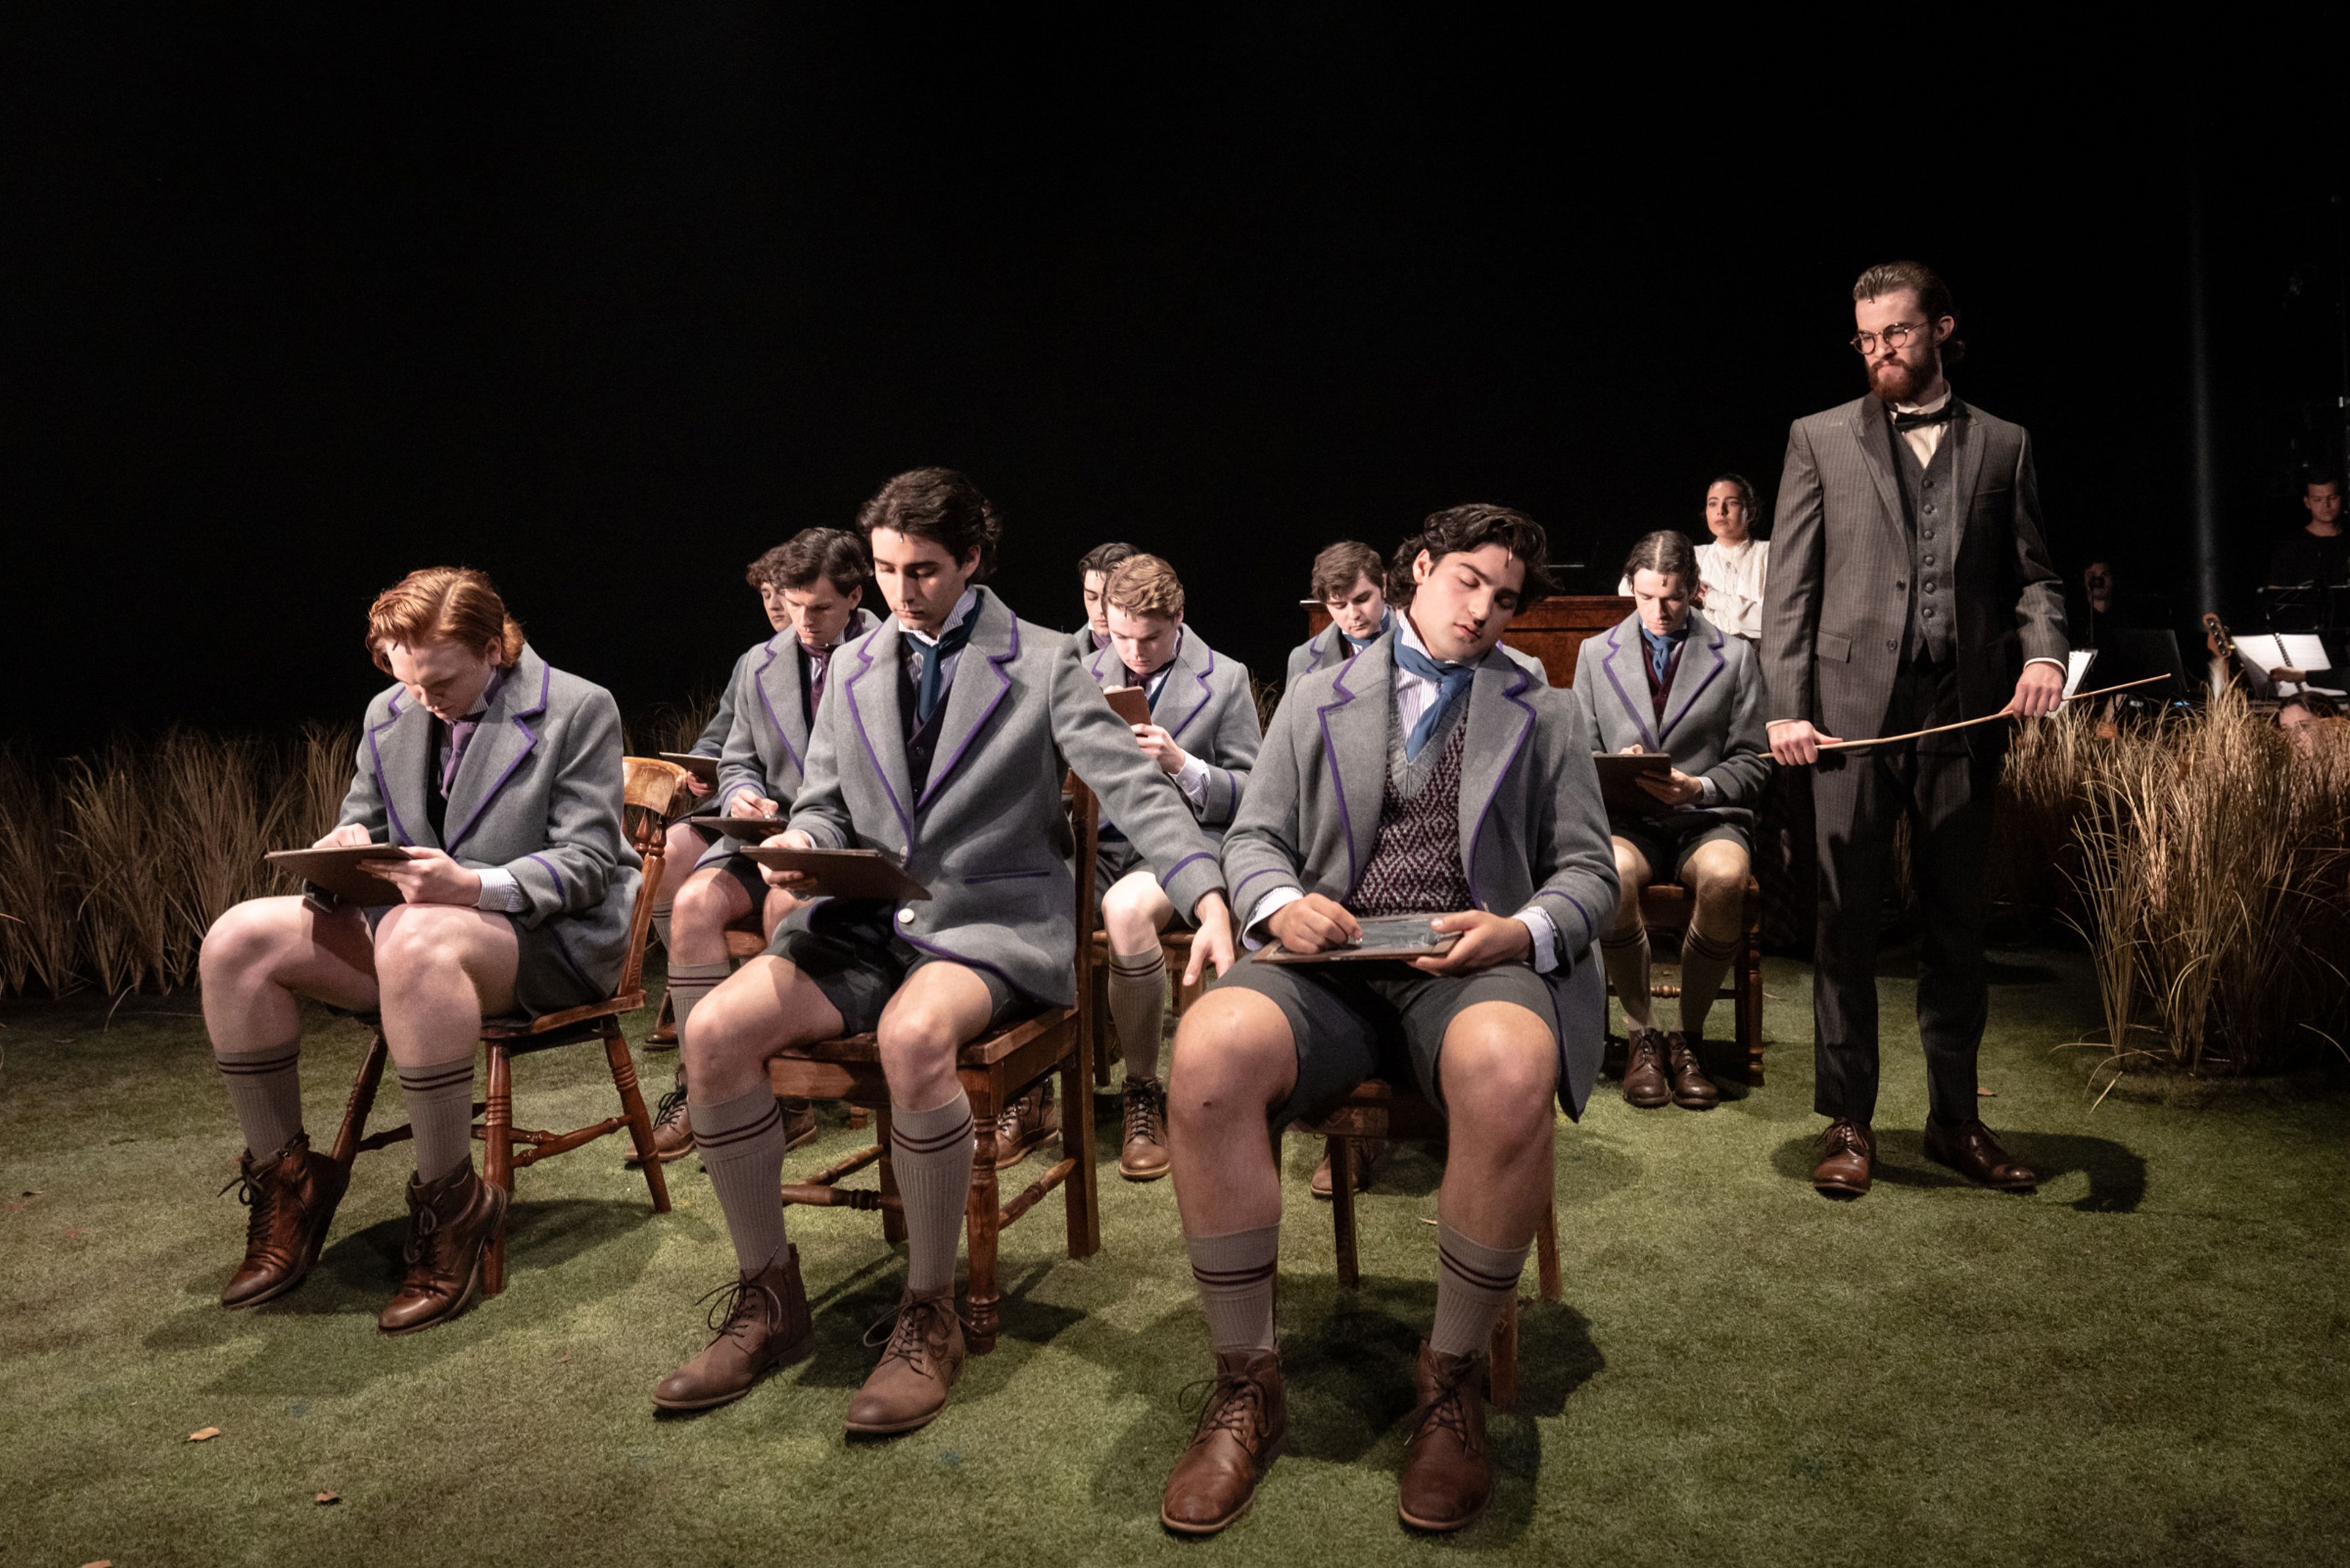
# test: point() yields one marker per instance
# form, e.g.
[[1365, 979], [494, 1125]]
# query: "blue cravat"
[[1451, 680], [934, 659], [1660, 649]]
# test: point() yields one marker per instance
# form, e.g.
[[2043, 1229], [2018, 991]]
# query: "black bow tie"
[[1902, 421]]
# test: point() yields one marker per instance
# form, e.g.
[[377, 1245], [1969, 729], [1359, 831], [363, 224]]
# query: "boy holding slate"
[[503, 777], [1668, 680], [1203, 733], [1429, 773], [778, 687], [941, 743]]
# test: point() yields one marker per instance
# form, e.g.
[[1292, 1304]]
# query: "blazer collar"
[[1499, 722], [978, 689], [1625, 669], [1185, 696], [870, 689], [506, 736], [1355, 747], [1701, 662]]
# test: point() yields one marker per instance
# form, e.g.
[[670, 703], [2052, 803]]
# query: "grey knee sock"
[[930, 1155], [1235, 1274], [689, 983], [264, 1089], [1625, 960], [1137, 1005], [1473, 1284], [742, 1145], [440, 1097], [1703, 963], [661, 924]]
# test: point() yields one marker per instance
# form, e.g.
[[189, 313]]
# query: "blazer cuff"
[[1252, 936], [1192, 878]]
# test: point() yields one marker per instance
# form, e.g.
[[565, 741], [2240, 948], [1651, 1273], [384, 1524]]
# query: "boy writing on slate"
[[1428, 773], [941, 743], [1203, 734]]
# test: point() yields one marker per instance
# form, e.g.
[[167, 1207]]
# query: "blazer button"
[[905, 917], [1900, 584], [1891, 645]]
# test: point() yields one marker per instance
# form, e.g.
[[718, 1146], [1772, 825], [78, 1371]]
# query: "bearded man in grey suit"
[[1910, 587]]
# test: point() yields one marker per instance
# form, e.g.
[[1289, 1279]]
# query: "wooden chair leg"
[[1749, 1005], [1553, 1289], [632, 1102], [893, 1218], [858, 1118], [1342, 1209], [362, 1101], [497, 1159], [1502, 1370], [1081, 1193], [984, 1219], [1090, 1027]]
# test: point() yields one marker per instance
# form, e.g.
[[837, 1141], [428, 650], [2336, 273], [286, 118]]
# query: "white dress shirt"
[[1414, 695]]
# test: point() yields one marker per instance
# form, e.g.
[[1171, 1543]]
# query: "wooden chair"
[[1175, 947], [1666, 909], [993, 1070], [649, 785], [1379, 1109]]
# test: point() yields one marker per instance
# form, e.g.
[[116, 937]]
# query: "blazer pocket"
[[1830, 649]]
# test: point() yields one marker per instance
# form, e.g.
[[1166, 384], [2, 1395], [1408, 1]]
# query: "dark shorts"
[[1357, 1021], [850, 948], [1115, 858], [1666, 846], [744, 870], [545, 979]]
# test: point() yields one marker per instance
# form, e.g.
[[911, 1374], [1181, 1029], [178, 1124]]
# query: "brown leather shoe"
[[799, 1121], [664, 1034], [1143, 1154], [292, 1196], [1692, 1090], [450, 1224], [1241, 1426], [1970, 1150], [1025, 1123], [1645, 1083], [1447, 1479], [1368, 1154], [672, 1128], [1847, 1155], [921, 1360], [761, 1321]]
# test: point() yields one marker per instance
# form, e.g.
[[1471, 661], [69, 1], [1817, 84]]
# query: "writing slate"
[[1384, 937], [1131, 703], [341, 869], [842, 873], [701, 767], [1617, 788], [752, 828]]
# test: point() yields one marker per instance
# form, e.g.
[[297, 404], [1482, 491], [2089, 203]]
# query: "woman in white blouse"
[[1732, 570]]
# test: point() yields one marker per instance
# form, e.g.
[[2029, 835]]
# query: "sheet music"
[[2076, 666], [2262, 652]]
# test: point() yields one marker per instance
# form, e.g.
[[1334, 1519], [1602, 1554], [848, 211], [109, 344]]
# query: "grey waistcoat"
[[1926, 508]]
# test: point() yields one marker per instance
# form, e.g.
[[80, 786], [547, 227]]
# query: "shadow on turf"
[[2117, 1174]]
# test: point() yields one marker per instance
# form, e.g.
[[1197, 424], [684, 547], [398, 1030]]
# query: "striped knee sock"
[[1473, 1284], [689, 983], [1235, 1274], [1625, 960], [264, 1089], [741, 1144], [1703, 963], [930, 1154], [440, 1097], [1137, 1005]]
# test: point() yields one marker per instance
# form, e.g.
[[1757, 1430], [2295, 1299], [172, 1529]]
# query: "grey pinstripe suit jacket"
[[1208, 707], [1838, 606], [1531, 827], [1714, 714]]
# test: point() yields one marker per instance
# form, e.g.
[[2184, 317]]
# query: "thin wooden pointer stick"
[[1986, 718]]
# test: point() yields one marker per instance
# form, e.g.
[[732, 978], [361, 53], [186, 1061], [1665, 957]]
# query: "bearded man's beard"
[[1894, 381]]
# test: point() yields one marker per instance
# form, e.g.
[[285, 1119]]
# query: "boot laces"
[[258, 1196], [1448, 1402], [905, 1333], [1143, 1114], [1227, 1404], [423, 1224], [671, 1107], [733, 1305]]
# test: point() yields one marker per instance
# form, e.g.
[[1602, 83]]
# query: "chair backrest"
[[648, 797]]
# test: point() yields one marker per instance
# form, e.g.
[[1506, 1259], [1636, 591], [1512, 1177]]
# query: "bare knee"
[[244, 944], [700, 904], [1232, 1051], [736, 1022], [1134, 911], [1631, 876], [1716, 875], [1499, 1075]]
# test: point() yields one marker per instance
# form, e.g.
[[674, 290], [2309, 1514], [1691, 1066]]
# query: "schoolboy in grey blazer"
[[943, 743], [1667, 680], [1428, 773]]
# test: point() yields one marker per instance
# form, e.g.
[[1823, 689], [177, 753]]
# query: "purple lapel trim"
[[529, 743], [760, 679], [995, 663], [1590, 921], [1177, 869], [1525, 728], [1240, 907], [551, 871], [1608, 664], [382, 785], [1199, 707], [1095, 669], [995, 969], [856, 715], [1714, 646], [1330, 756]]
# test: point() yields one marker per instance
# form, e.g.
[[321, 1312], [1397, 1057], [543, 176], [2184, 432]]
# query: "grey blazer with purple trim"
[[766, 749], [987, 835], [538, 793], [1207, 705], [1714, 714], [1532, 827]]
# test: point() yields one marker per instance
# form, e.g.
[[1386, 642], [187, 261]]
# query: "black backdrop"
[[607, 301]]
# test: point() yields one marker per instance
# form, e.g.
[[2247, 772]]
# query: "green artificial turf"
[[2142, 1363]]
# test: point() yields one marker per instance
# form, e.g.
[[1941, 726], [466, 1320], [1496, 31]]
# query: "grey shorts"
[[856, 959], [744, 870], [1666, 845], [545, 979], [1369, 1020]]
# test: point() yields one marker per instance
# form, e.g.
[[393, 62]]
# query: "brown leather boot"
[[1692, 1090], [292, 1196], [1142, 1156], [1847, 1154], [761, 1321], [799, 1121], [1447, 1479], [1366, 1157], [920, 1361], [1025, 1123], [1645, 1083], [450, 1224], [1241, 1426], [672, 1128]]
